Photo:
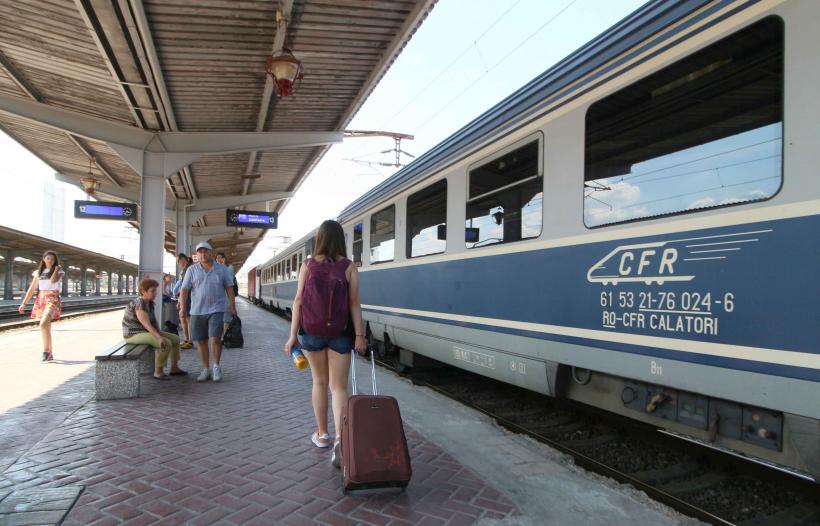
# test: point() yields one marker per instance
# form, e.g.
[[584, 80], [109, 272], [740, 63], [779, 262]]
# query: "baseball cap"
[[204, 244]]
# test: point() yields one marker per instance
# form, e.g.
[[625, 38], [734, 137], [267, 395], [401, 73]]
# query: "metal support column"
[[97, 284], [8, 283], [152, 227], [110, 289], [119, 283], [83, 281], [183, 229], [64, 291]]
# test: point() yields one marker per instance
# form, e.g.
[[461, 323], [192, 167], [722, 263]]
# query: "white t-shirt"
[[45, 283]]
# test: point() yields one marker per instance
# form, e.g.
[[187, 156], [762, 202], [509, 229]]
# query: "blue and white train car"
[[636, 229]]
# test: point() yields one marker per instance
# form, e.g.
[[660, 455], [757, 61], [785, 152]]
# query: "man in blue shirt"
[[210, 286]]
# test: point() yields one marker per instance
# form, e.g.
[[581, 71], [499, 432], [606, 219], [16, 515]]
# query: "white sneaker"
[[336, 457], [217, 374], [204, 375]]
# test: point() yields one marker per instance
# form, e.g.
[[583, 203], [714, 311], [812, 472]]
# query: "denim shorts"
[[341, 344], [204, 326]]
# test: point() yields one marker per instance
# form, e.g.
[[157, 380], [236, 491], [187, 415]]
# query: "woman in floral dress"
[[48, 281]]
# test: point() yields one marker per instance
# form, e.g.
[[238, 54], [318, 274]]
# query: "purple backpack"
[[324, 307]]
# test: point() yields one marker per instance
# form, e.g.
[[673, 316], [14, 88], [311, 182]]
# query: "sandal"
[[163, 377], [322, 440], [48, 357]]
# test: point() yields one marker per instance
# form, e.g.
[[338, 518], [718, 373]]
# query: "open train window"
[[358, 244], [702, 133], [427, 220], [383, 235], [505, 198]]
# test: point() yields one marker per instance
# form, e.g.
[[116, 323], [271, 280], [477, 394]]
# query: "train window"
[[358, 244], [426, 215], [702, 133], [505, 198], [383, 235], [309, 247], [287, 270], [293, 267]]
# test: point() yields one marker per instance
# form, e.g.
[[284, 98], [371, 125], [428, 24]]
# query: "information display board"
[[251, 219], [105, 210]]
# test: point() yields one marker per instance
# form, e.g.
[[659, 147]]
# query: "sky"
[[467, 56]]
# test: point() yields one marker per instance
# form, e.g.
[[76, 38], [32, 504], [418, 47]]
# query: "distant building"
[[53, 212]]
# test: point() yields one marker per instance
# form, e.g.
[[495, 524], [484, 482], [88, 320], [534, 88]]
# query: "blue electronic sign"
[[251, 219], [105, 210]]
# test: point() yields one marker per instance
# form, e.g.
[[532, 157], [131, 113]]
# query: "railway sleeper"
[[582, 443], [655, 477], [551, 429], [698, 483], [801, 513]]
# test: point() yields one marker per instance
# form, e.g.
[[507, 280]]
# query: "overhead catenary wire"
[[441, 73], [633, 176], [446, 68], [487, 71], [686, 194]]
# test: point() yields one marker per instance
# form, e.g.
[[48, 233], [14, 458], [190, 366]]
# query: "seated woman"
[[139, 326]]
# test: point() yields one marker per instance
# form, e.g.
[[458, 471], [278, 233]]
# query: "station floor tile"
[[235, 452]]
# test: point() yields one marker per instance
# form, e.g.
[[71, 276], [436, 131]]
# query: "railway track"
[[701, 482], [11, 319]]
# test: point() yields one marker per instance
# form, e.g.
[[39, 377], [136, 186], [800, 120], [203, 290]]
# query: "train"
[[252, 291], [635, 229]]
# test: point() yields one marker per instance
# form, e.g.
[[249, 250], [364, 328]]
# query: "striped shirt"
[[207, 288]]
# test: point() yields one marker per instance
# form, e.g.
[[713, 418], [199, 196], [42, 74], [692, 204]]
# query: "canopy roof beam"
[[279, 39]]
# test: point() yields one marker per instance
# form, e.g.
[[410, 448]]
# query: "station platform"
[[238, 452]]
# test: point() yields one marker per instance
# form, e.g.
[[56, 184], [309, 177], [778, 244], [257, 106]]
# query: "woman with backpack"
[[326, 304]]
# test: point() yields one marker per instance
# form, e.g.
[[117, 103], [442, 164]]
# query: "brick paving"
[[235, 452]]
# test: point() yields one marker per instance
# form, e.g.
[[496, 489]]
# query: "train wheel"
[[392, 354], [375, 345]]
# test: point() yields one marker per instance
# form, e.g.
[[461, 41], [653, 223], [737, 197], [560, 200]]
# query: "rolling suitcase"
[[373, 445]]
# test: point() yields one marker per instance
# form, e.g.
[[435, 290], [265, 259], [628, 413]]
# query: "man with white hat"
[[210, 285]]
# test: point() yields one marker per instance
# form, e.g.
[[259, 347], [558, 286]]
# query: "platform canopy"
[[193, 66], [15, 243]]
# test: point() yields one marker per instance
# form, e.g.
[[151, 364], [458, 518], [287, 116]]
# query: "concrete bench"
[[119, 369]]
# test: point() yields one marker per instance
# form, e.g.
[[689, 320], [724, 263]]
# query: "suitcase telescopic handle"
[[372, 369]]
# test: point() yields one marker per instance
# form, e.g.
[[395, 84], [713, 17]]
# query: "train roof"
[[293, 247], [528, 102]]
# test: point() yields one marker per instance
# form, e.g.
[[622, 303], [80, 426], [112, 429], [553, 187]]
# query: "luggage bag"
[[373, 445], [233, 338]]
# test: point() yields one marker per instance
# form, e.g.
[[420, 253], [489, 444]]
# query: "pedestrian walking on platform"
[[48, 283], [327, 316], [183, 261], [140, 327], [209, 284]]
